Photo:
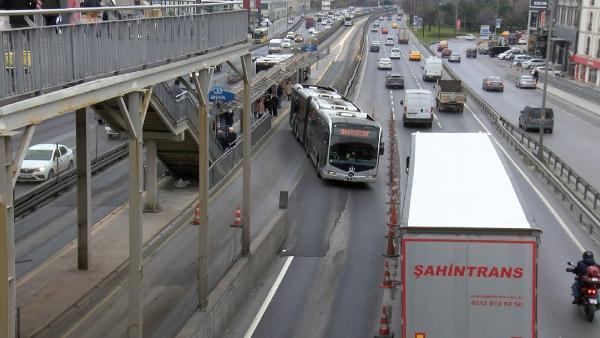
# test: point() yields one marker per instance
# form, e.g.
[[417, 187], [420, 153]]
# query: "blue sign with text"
[[220, 94]]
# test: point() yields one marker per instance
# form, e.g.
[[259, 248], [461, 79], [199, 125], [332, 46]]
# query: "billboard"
[[538, 4], [462, 286], [484, 32]]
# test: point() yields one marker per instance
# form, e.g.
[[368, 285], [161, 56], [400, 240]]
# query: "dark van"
[[529, 118]]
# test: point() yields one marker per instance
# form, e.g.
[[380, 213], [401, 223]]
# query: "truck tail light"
[[591, 291]]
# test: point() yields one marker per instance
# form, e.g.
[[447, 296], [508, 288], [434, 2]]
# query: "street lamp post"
[[540, 152]]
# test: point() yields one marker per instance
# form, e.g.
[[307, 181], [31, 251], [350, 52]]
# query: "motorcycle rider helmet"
[[588, 255], [593, 271]]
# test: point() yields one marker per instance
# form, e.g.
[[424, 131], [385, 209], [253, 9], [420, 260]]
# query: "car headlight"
[[329, 172], [40, 169]]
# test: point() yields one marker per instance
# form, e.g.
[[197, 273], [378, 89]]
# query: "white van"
[[418, 107], [432, 71], [275, 46]]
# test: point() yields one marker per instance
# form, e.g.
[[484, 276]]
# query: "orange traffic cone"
[[384, 327], [391, 249], [237, 219], [387, 283], [196, 220]]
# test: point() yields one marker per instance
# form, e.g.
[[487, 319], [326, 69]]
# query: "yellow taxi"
[[395, 25], [414, 55]]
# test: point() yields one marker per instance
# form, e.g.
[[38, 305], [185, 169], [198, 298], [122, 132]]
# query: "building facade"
[[274, 9], [587, 60], [566, 31]]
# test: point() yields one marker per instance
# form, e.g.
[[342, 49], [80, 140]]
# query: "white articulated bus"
[[343, 142]]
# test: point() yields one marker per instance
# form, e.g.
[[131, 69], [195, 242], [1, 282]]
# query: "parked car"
[[532, 63], [446, 52], [394, 80], [519, 59], [384, 63], [389, 41], [526, 81], [454, 57], [530, 119], [414, 55], [470, 37], [492, 83], [395, 53], [551, 71], [471, 53], [44, 161], [375, 46]]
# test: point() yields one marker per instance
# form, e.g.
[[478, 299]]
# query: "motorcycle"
[[588, 288]]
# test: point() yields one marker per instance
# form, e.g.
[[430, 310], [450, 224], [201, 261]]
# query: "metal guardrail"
[[584, 91], [47, 190], [40, 59], [581, 195]]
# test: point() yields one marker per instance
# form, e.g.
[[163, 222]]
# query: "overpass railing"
[[41, 59]]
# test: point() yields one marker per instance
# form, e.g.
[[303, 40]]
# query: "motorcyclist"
[[580, 270]]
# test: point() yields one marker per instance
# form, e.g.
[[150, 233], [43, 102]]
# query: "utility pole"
[[540, 152], [455, 17]]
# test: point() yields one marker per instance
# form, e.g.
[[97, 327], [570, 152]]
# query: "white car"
[[290, 35], [551, 71], [384, 63], [374, 29], [44, 161], [395, 53], [454, 57], [265, 22], [470, 37], [519, 59], [504, 55], [290, 21], [312, 31], [286, 43], [533, 63], [389, 41], [522, 41]]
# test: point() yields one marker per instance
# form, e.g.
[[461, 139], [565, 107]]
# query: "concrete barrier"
[[232, 290]]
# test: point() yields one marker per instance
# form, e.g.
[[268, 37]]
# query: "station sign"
[[538, 4], [221, 95], [484, 32]]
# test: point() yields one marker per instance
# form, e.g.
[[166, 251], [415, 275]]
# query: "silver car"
[[526, 81], [454, 57]]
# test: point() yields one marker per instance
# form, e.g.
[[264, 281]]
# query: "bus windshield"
[[354, 146]]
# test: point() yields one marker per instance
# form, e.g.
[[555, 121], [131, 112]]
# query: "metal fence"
[[583, 198], [40, 59], [223, 165], [586, 91]]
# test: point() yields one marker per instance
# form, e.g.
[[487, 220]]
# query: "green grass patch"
[[444, 33]]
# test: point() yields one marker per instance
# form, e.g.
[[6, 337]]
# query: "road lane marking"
[[270, 295], [553, 211]]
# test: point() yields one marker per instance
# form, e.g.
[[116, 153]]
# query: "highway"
[[171, 292], [577, 130], [331, 285], [333, 252]]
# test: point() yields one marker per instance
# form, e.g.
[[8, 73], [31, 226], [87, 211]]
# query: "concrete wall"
[[237, 284]]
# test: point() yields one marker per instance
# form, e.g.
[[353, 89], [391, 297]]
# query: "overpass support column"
[[7, 241], [134, 113], [247, 153], [84, 188], [202, 81], [151, 202]]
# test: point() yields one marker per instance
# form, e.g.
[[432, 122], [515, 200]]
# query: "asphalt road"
[[576, 133], [331, 287]]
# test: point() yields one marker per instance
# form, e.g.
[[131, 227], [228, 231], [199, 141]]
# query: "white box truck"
[[403, 35], [468, 253], [432, 70]]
